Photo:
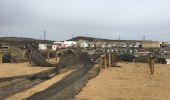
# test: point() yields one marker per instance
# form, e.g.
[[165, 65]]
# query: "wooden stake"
[[30, 53], [105, 60], [151, 64], [113, 59], [0, 57], [11, 56], [101, 62], [109, 62], [56, 54]]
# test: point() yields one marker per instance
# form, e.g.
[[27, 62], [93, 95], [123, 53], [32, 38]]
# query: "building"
[[42, 46], [67, 44], [64, 45], [165, 44], [57, 45], [84, 45], [151, 44]]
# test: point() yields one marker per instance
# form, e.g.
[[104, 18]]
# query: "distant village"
[[135, 47], [104, 44]]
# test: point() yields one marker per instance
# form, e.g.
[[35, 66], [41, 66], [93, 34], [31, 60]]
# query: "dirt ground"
[[130, 81], [16, 69], [53, 61]]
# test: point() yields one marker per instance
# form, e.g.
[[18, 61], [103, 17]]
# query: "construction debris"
[[7, 57], [39, 60]]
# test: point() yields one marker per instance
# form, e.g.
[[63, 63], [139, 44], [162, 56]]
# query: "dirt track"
[[19, 77], [72, 82], [131, 81], [67, 87], [38, 88]]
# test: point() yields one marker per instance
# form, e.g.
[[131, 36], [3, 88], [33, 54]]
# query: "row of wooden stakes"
[[108, 60]]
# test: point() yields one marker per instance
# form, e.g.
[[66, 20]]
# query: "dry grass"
[[132, 81], [16, 69]]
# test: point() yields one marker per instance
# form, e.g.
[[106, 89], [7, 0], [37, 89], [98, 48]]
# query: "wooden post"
[[105, 60], [30, 53], [109, 62], [151, 64], [11, 53], [101, 62], [56, 55], [0, 57], [113, 60]]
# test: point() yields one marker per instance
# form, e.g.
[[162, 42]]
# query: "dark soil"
[[67, 88]]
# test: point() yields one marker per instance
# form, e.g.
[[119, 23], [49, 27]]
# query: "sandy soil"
[[16, 69], [53, 60], [38, 88], [131, 81]]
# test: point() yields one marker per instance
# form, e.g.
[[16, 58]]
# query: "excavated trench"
[[12, 85], [68, 87], [72, 82]]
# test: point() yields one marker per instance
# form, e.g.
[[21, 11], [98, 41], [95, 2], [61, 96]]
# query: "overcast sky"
[[129, 19]]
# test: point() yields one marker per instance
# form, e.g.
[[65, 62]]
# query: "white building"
[[84, 45], [67, 44], [168, 61], [42, 46], [63, 45], [57, 45]]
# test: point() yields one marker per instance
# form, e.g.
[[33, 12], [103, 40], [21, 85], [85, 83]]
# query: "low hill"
[[21, 40], [91, 39]]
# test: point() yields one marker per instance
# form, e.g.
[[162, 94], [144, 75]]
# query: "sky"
[[62, 19]]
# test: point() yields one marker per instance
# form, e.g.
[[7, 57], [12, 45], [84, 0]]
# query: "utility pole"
[[143, 38], [44, 34], [44, 38]]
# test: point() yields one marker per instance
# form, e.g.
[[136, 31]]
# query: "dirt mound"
[[40, 60], [144, 59], [69, 58], [127, 57]]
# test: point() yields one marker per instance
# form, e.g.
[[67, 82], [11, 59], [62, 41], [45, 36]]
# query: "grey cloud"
[[131, 19]]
